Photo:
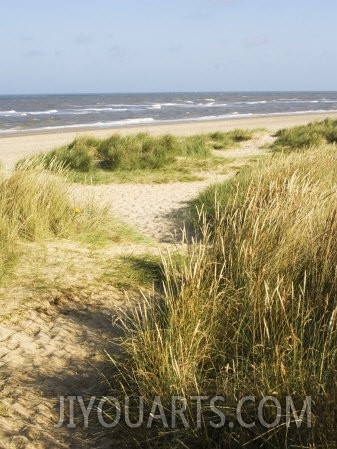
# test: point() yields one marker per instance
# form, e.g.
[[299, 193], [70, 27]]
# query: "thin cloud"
[[256, 41], [175, 48], [117, 51], [199, 16], [223, 2], [26, 39], [84, 39], [33, 54]]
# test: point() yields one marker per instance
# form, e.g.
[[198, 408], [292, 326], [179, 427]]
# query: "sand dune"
[[17, 146]]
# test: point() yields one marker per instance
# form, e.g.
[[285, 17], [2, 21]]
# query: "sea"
[[39, 113]]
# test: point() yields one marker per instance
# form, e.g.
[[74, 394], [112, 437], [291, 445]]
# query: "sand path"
[[159, 210]]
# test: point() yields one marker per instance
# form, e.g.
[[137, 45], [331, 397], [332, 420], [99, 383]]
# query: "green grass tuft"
[[306, 136], [120, 157], [140, 151], [223, 140]]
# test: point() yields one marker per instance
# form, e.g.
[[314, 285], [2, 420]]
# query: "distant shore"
[[14, 147]]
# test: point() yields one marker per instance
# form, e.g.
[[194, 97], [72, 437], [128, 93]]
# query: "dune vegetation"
[[35, 204], [131, 157], [306, 136], [251, 310]]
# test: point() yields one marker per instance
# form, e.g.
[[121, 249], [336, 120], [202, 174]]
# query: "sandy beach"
[[14, 147]]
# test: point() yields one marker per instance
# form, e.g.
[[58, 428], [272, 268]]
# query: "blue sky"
[[73, 46]]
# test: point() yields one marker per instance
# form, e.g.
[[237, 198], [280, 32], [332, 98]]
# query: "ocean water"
[[24, 113]]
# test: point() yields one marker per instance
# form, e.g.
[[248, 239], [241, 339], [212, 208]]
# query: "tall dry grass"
[[252, 311], [35, 204]]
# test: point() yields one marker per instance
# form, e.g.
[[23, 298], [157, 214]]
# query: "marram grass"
[[303, 137], [96, 160], [251, 311], [36, 204]]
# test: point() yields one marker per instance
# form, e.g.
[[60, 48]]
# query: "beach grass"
[[139, 157], [183, 169], [306, 136], [35, 204], [221, 140], [250, 310]]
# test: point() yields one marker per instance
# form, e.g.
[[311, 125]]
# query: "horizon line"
[[164, 92]]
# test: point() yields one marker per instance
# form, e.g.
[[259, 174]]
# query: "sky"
[[89, 46]]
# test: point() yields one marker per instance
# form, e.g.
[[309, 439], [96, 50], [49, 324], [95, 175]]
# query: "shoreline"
[[16, 146], [274, 121]]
